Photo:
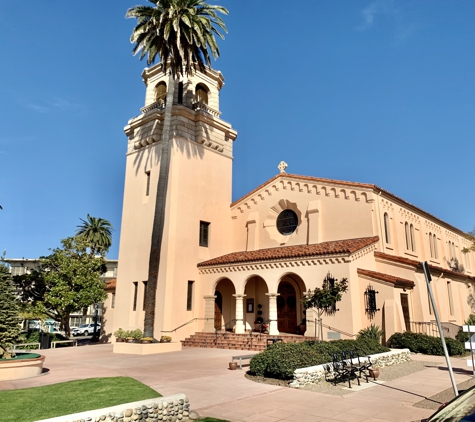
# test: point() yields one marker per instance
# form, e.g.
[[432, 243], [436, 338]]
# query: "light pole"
[[95, 336]]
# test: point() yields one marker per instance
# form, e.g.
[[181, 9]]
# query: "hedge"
[[280, 360], [422, 343]]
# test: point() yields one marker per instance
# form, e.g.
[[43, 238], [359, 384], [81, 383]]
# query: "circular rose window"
[[287, 222]]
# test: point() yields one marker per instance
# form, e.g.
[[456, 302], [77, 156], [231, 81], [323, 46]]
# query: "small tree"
[[471, 236], [67, 281], [324, 299], [10, 329]]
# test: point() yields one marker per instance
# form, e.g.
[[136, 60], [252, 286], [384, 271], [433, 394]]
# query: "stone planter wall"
[[316, 374], [170, 408], [17, 369]]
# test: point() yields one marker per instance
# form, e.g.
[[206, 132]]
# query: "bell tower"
[[197, 216]]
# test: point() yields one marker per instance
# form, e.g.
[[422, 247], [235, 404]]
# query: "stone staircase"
[[229, 340]]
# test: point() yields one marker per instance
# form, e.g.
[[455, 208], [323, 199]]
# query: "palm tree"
[[97, 232], [181, 33]]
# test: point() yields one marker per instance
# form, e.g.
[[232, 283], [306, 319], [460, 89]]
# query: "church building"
[[230, 265]]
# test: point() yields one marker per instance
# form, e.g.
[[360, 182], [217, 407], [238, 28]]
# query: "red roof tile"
[[417, 264], [397, 281], [336, 247], [111, 284]]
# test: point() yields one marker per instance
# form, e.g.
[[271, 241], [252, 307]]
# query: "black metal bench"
[[346, 366]]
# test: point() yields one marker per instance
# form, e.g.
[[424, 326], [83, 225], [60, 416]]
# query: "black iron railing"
[[186, 323]]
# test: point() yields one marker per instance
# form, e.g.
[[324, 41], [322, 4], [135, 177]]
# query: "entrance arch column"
[[273, 329], [209, 314], [240, 327]]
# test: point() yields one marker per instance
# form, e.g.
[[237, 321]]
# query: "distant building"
[[231, 263], [20, 266]]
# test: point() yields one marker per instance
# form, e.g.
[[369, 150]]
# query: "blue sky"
[[369, 91]]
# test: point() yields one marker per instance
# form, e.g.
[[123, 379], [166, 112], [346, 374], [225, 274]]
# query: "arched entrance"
[[286, 308], [256, 303], [289, 308], [218, 310], [224, 304]]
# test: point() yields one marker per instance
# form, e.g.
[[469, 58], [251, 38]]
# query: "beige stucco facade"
[[246, 263]]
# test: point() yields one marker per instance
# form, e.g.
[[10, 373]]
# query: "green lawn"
[[32, 404]]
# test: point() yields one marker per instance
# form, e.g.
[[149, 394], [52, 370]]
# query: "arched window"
[[431, 246], [413, 239], [408, 236], [161, 92], [201, 94], [386, 228], [436, 254]]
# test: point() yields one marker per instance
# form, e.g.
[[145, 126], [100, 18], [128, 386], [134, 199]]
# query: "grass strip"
[[49, 401]]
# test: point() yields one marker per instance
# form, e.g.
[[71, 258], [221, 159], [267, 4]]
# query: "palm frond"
[[181, 31]]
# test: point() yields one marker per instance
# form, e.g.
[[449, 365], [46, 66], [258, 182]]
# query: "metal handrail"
[[428, 328], [339, 331], [186, 323], [219, 329], [267, 322], [317, 322]]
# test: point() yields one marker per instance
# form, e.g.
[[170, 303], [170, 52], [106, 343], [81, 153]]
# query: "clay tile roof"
[[397, 281], [111, 284], [417, 264], [336, 247]]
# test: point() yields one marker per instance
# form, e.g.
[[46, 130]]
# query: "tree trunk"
[[65, 323], [159, 216]]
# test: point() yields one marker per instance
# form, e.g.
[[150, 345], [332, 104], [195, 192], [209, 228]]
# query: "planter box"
[[146, 349], [17, 369]]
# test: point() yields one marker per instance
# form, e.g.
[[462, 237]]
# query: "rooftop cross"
[[282, 166]]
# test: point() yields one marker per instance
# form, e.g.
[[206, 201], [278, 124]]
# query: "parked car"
[[57, 331], [85, 330], [460, 409]]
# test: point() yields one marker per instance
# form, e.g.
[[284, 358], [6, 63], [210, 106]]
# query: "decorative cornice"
[[329, 187]]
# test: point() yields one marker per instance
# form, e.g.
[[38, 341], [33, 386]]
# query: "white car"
[[85, 330]]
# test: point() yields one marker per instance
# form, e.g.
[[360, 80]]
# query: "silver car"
[[85, 330]]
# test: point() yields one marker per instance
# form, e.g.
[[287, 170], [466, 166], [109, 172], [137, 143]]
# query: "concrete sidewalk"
[[214, 390]]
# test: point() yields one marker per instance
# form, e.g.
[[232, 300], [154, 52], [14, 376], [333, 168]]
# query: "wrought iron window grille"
[[370, 301]]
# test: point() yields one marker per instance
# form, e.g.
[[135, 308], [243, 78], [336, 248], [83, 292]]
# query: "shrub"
[[461, 336], [373, 332], [34, 337], [280, 360], [120, 333], [422, 343], [136, 334]]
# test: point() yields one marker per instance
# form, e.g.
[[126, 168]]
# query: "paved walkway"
[[214, 390]]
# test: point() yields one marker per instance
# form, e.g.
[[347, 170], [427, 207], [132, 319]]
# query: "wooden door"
[[287, 308], [405, 310], [218, 310]]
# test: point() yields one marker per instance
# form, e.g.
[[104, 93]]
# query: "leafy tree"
[[181, 33], [97, 232], [10, 329], [325, 298], [471, 236], [66, 281]]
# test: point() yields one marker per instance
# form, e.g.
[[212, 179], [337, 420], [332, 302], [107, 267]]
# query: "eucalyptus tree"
[[182, 34], [97, 233]]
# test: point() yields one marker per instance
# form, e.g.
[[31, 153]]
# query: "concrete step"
[[232, 341]]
